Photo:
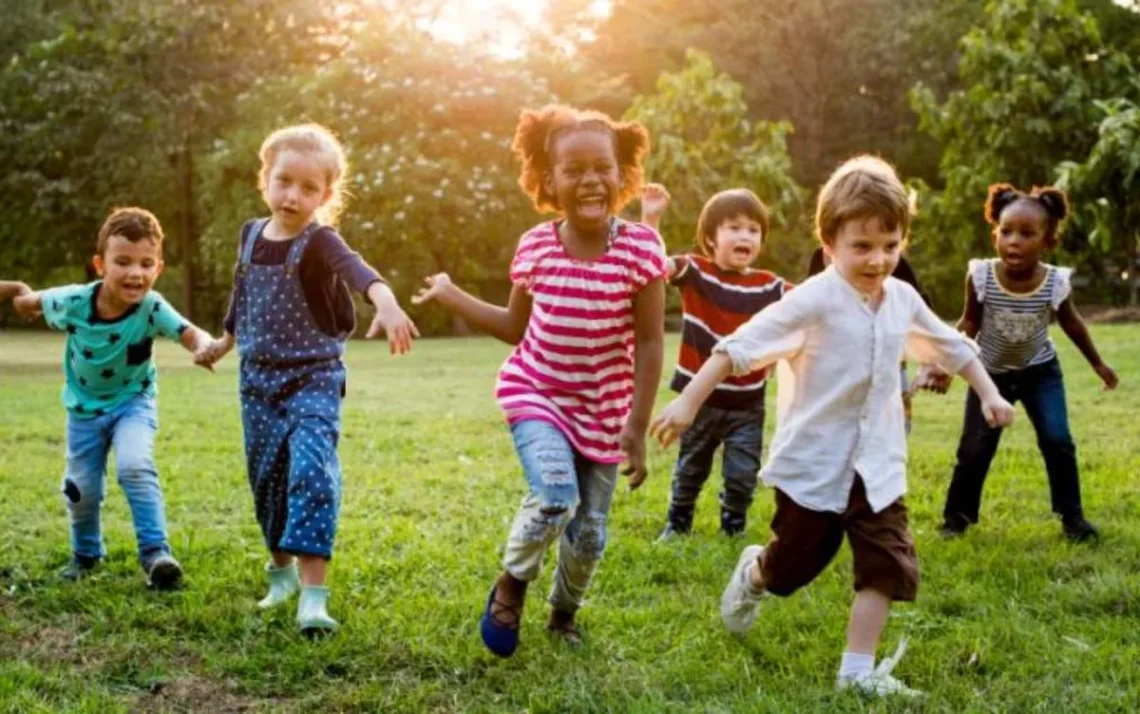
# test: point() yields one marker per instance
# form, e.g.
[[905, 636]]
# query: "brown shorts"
[[805, 541]]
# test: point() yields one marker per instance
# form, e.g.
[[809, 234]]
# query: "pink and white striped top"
[[574, 366]]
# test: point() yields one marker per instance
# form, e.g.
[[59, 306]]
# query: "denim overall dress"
[[292, 383]]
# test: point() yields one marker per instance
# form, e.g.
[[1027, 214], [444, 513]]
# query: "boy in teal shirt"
[[111, 385]]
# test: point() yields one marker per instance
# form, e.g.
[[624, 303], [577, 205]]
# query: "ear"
[[97, 261], [828, 254], [327, 197], [158, 268]]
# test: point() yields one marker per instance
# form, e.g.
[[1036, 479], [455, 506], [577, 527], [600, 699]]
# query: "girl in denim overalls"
[[291, 314]]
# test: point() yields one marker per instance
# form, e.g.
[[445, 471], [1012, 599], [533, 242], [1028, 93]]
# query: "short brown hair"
[[534, 143], [863, 187], [133, 223], [725, 206]]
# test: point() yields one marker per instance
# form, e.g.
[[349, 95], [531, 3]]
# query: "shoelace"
[[885, 667]]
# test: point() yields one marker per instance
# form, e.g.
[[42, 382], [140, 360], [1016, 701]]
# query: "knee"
[[79, 497], [590, 540], [1056, 437], [136, 468]]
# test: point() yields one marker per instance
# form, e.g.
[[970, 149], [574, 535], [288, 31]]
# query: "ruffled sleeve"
[[978, 270], [1062, 286]]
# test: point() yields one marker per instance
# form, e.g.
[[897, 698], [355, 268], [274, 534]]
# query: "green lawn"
[[1010, 618]]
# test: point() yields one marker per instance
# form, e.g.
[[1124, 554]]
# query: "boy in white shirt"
[[838, 457]]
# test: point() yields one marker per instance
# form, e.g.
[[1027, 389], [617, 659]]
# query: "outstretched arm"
[[12, 288], [504, 323], [1074, 326], [29, 305]]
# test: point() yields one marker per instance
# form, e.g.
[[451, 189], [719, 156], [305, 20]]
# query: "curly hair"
[[534, 144], [319, 142], [863, 187], [1052, 201], [131, 222]]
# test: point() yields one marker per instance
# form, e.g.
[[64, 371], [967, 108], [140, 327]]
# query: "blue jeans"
[[569, 501], [1042, 389], [741, 431], [130, 430]]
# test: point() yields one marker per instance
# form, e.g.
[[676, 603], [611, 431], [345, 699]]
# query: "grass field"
[[1010, 618]]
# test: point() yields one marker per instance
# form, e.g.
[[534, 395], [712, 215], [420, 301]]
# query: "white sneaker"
[[880, 683], [739, 604]]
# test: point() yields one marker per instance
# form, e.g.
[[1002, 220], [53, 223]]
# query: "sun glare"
[[499, 25]]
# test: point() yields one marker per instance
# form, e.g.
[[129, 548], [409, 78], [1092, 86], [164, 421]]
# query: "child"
[[1009, 304], [111, 383], [929, 378], [838, 458], [719, 292], [586, 314], [291, 314]]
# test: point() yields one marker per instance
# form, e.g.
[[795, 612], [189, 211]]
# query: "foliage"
[[703, 142]]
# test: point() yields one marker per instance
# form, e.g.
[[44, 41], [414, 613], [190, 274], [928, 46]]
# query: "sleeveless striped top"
[[574, 366], [1014, 332]]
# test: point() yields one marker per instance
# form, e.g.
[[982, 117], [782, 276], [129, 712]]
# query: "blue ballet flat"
[[501, 639]]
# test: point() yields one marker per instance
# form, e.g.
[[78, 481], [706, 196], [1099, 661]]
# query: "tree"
[[1105, 190], [1031, 77], [703, 142]]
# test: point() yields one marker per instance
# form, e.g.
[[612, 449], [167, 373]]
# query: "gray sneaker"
[[163, 571], [80, 567], [739, 604]]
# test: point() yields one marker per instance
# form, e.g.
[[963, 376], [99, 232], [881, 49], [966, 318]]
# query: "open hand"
[[436, 285], [654, 200], [673, 421], [397, 326]]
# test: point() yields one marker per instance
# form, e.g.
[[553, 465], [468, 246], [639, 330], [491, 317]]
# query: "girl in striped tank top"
[[1010, 302], [586, 317]]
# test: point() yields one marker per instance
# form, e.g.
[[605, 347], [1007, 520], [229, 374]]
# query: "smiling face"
[[129, 268], [865, 253], [295, 188], [585, 177], [1021, 235]]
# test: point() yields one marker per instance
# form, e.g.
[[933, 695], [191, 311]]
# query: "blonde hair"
[[863, 187], [315, 140]]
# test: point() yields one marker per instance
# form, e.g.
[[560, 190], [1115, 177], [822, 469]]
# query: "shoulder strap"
[[297, 250], [250, 238]]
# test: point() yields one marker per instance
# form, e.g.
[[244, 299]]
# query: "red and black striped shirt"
[[714, 303]]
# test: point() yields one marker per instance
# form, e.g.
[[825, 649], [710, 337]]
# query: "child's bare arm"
[[1074, 326], [504, 323], [648, 359], [12, 288], [195, 340], [390, 319], [971, 321]]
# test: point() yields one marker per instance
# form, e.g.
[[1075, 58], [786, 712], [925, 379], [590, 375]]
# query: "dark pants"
[[741, 431], [1042, 390]]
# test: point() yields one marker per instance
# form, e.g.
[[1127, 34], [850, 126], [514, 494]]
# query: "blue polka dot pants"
[[290, 444]]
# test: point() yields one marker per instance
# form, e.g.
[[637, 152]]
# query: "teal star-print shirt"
[[107, 363]]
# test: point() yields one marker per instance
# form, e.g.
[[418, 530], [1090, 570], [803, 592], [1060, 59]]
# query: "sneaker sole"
[[165, 576], [749, 554]]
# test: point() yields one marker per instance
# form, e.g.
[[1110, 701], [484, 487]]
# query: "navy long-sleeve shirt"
[[328, 265]]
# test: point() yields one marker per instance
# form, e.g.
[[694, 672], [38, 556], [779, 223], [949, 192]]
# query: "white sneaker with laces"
[[880, 683], [739, 604]]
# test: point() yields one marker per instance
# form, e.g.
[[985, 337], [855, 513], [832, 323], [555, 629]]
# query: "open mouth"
[[742, 251], [592, 205]]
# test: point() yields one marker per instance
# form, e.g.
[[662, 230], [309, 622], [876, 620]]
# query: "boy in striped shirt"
[[720, 291]]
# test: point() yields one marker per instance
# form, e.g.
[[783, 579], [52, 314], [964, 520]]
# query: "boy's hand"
[[209, 351], [633, 444], [1107, 375], [396, 325], [673, 421], [932, 379], [27, 304], [436, 285], [997, 412], [654, 200]]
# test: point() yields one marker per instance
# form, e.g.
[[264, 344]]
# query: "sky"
[[504, 23]]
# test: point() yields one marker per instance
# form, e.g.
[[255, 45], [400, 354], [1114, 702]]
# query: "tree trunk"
[[187, 229], [1134, 295]]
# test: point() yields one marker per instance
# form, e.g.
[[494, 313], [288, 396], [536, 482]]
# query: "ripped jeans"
[[568, 502], [130, 430]]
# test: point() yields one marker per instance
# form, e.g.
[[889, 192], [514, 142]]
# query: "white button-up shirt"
[[840, 409]]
